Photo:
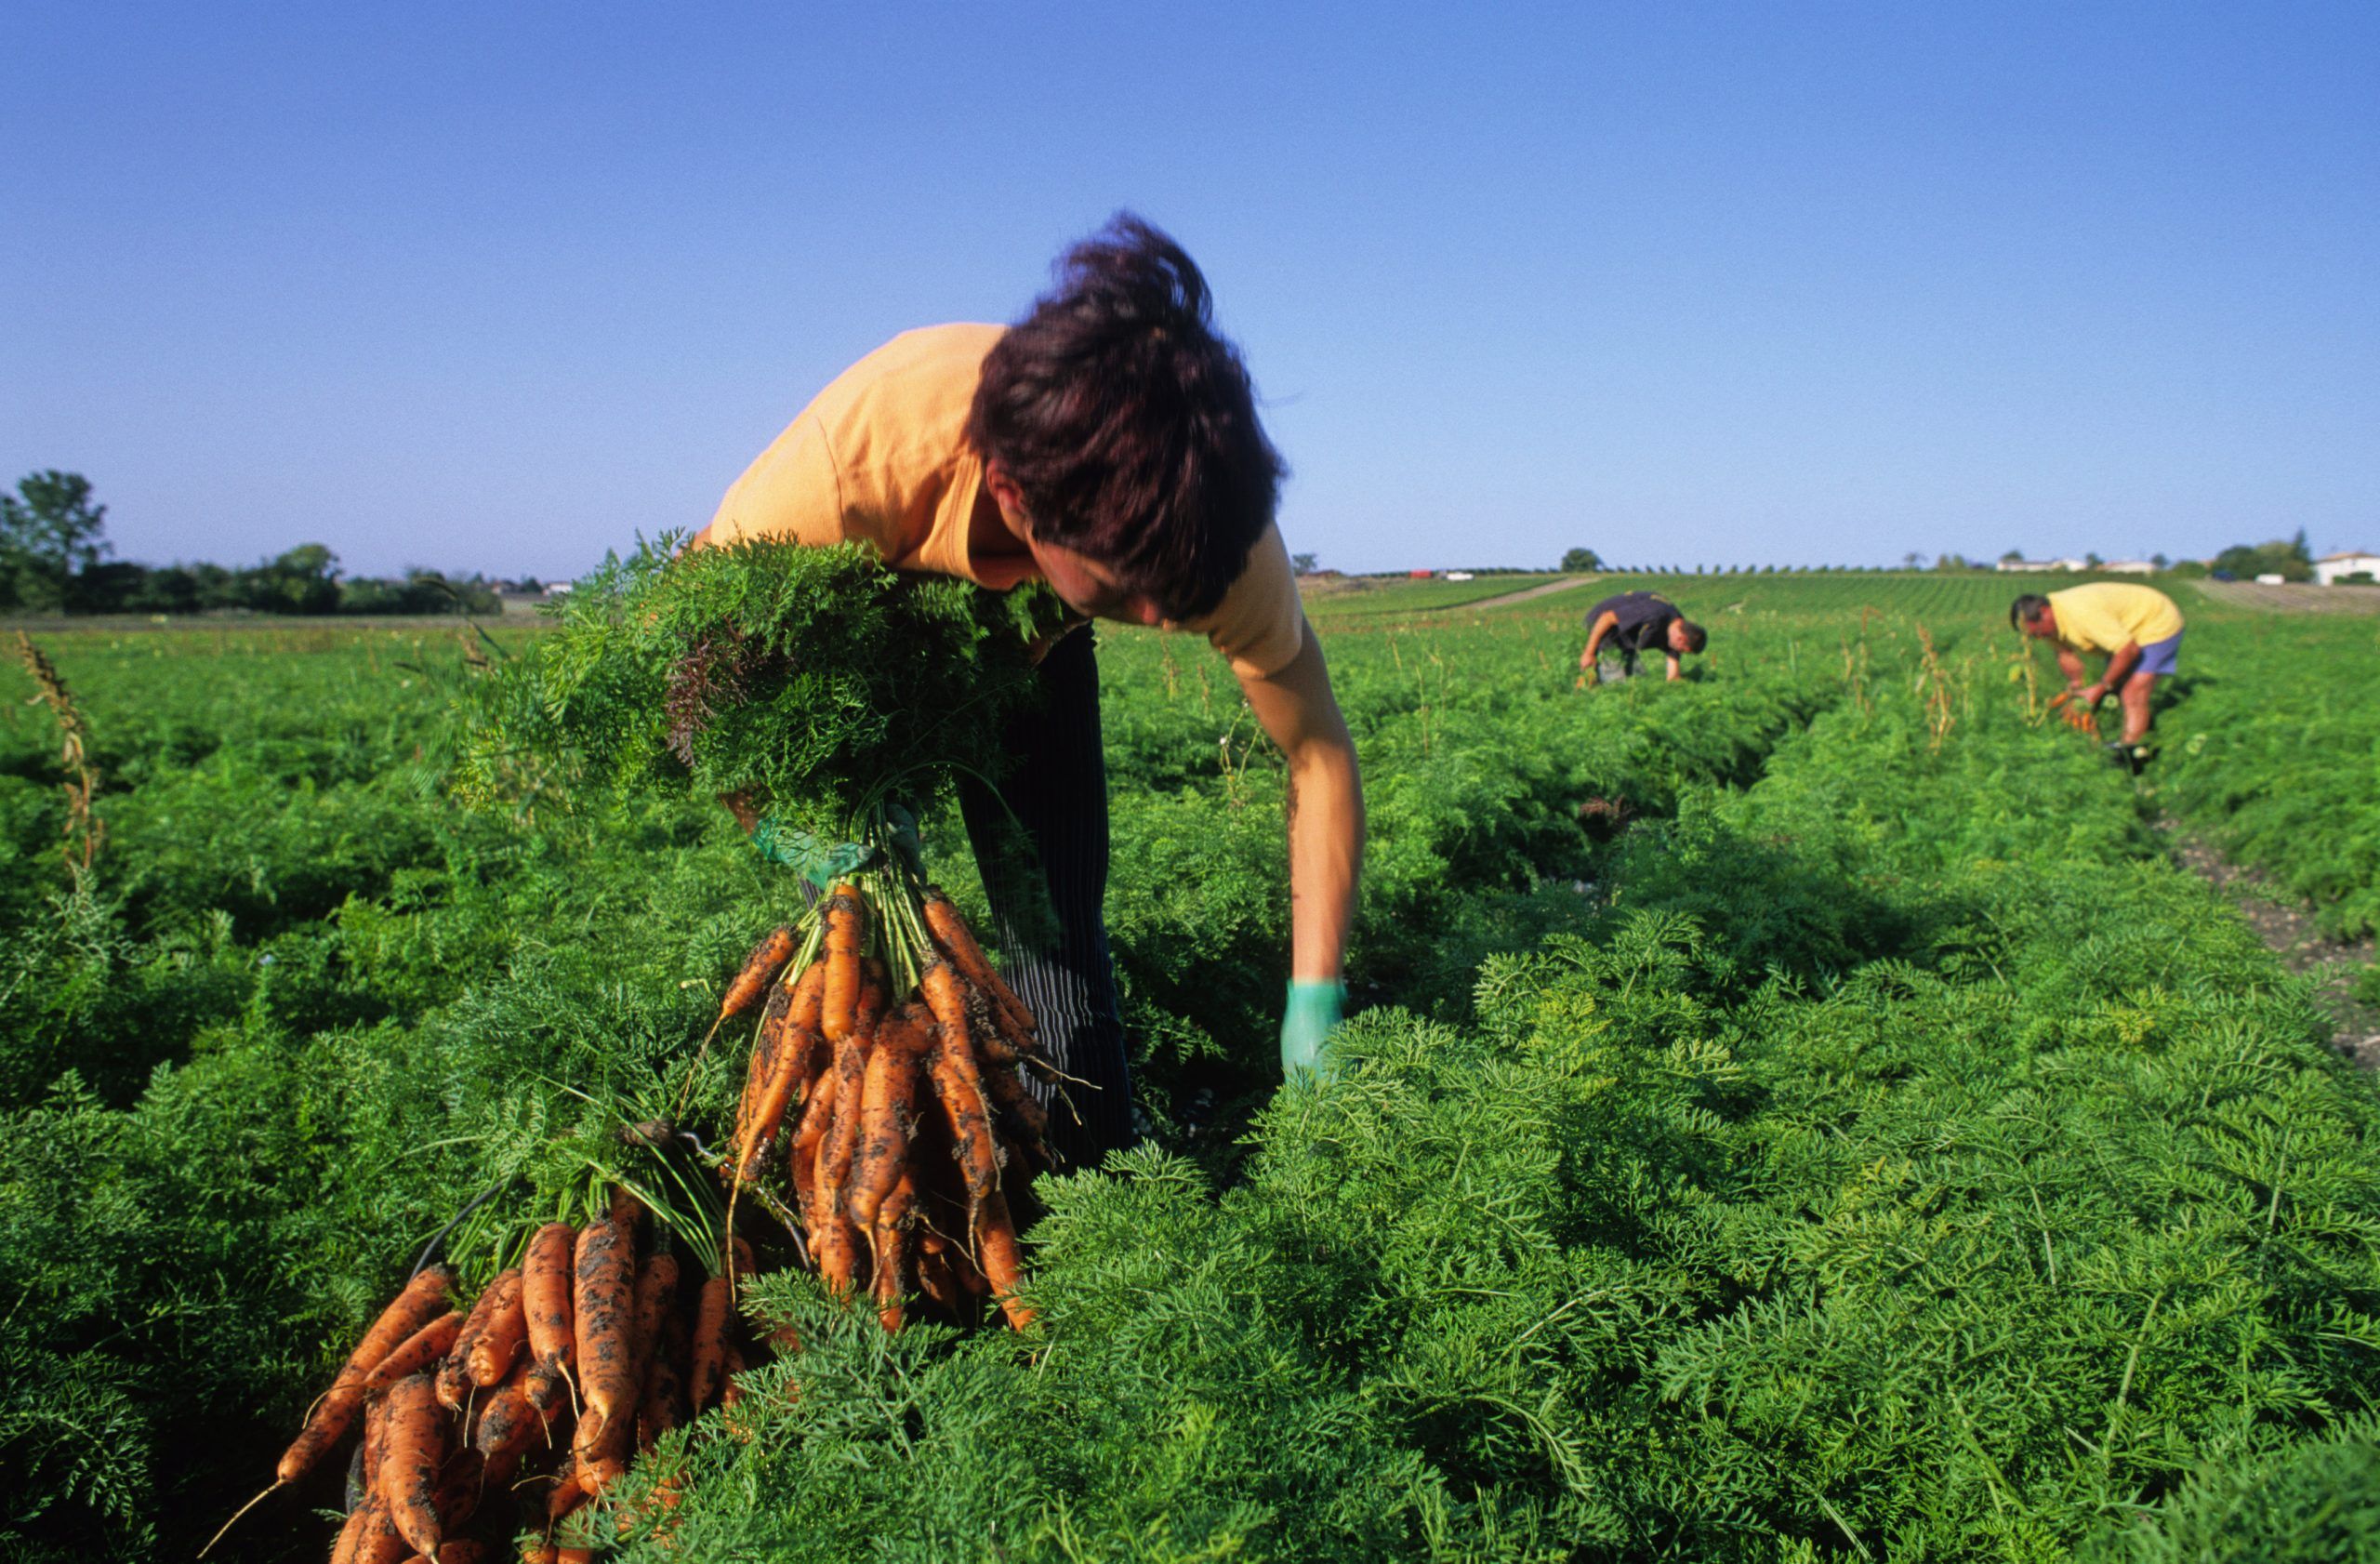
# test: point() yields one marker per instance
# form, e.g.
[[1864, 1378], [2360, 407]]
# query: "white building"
[[2331, 567], [2036, 567]]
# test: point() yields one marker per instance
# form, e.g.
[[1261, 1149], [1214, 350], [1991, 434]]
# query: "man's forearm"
[[2072, 666], [1326, 828], [2120, 666]]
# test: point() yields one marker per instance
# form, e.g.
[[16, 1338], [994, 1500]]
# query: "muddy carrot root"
[[416, 1353], [774, 1097], [888, 1102], [413, 1450], [511, 1423], [1003, 1267], [767, 958], [958, 942], [454, 1370], [422, 1300], [846, 938], [546, 1277], [971, 1130], [604, 1284], [664, 1406], [501, 1338], [766, 1048], [894, 1242], [711, 1311], [1021, 1113]]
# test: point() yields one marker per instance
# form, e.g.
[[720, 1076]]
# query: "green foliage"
[[815, 683]]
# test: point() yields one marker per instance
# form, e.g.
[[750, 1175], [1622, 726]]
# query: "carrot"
[[846, 938], [413, 1450], [545, 1293], [841, 1141], [605, 1280], [657, 1300], [499, 1340], [759, 1131], [351, 1534], [454, 1370], [509, 1422], [954, 1054], [809, 997], [416, 1353], [962, 1107], [767, 958], [462, 1550], [835, 1246], [731, 1389], [995, 1237], [934, 1279], [1021, 1112], [377, 1540], [888, 1101], [958, 942], [422, 1300], [891, 1234], [711, 1310], [766, 1048], [808, 1135], [626, 1211], [664, 1406], [457, 1494], [549, 1390]]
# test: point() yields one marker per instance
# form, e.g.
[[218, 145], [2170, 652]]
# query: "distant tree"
[[1949, 561], [303, 580], [50, 535], [2012, 556], [2092, 562], [1303, 564], [1912, 561], [1582, 559], [2159, 560]]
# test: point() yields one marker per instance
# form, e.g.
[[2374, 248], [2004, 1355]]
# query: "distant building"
[[2038, 568], [1420, 574], [2331, 568], [2272, 578], [1458, 576]]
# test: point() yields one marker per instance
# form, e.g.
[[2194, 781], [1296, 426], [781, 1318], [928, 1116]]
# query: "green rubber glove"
[[1314, 1008]]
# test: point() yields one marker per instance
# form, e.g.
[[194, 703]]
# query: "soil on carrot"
[[2288, 929]]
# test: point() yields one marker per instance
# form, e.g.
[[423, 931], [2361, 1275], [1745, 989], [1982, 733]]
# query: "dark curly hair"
[[1129, 425]]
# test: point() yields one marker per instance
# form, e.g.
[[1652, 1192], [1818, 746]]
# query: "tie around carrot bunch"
[[504, 1416], [884, 1107]]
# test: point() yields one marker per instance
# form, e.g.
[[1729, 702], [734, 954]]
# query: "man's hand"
[[2089, 696], [1314, 1008], [1591, 678]]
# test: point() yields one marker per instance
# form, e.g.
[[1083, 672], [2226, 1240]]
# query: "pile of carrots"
[[563, 1369], [883, 1114], [903, 1052]]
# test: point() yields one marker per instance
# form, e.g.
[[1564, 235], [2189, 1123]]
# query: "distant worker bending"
[[1632, 623], [2137, 628]]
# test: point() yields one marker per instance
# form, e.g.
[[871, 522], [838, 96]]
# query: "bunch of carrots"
[[885, 1108], [883, 1116], [563, 1369], [2075, 715]]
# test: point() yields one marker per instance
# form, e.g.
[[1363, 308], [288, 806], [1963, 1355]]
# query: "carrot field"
[[1800, 1112]]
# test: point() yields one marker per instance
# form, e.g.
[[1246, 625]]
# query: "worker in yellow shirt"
[[2137, 628], [1108, 443]]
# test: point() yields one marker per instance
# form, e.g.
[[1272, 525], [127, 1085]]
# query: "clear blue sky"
[[489, 286]]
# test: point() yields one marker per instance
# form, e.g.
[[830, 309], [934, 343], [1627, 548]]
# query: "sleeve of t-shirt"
[[791, 493], [1259, 625]]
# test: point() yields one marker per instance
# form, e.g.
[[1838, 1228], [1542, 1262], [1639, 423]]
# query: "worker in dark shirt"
[[1631, 623]]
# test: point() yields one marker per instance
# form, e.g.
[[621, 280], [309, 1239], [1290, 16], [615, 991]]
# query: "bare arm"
[[1325, 807], [1601, 626], [2070, 664], [1677, 668], [2120, 666]]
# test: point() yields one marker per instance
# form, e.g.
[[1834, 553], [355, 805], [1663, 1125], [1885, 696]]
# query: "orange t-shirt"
[[882, 455]]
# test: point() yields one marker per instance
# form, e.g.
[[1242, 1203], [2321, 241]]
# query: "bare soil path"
[[1546, 589], [2289, 931], [2292, 597]]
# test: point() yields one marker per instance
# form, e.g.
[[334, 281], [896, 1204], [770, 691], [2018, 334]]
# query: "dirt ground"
[[2292, 597], [2288, 930]]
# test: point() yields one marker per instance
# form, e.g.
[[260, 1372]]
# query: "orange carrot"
[[545, 1293], [454, 1370], [664, 1406], [549, 1389], [413, 1450], [846, 938], [766, 960], [996, 1237], [888, 1101], [809, 997], [351, 1535], [423, 1299], [962, 1106], [891, 1234], [456, 1498], [710, 1342], [416, 1353], [956, 1051], [809, 1134], [499, 1341], [1020, 1113], [759, 1130], [935, 1280], [958, 942], [605, 1280], [766, 1048], [835, 1246], [377, 1540], [657, 1300], [626, 1211], [842, 1140], [510, 1423]]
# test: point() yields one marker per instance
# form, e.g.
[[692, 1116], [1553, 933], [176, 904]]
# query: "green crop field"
[[1796, 1113]]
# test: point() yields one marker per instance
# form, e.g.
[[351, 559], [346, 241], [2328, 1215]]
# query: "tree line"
[[55, 558]]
